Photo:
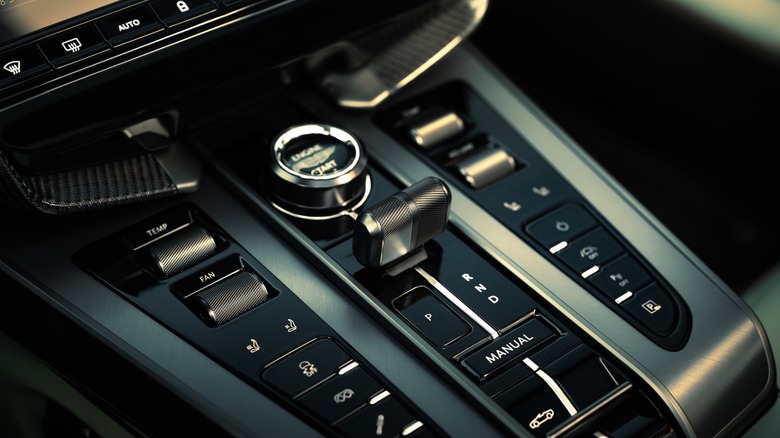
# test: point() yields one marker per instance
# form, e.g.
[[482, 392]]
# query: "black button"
[[504, 350], [73, 44], [306, 367], [539, 410], [620, 276], [654, 308], [561, 225], [593, 249], [175, 11], [129, 24], [21, 63], [208, 276], [341, 395], [430, 316], [587, 382], [386, 418]]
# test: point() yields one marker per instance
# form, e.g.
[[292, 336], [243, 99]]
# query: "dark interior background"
[[683, 115]]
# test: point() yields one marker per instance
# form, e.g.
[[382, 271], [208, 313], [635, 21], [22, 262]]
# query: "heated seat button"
[[129, 24], [73, 44], [430, 316], [306, 367], [585, 254], [508, 348], [341, 395], [654, 308], [172, 12], [20, 64], [560, 225], [387, 418]]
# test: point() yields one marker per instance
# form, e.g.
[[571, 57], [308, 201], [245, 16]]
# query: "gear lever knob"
[[401, 223]]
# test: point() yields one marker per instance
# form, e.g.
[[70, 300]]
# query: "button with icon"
[[306, 367], [73, 45]]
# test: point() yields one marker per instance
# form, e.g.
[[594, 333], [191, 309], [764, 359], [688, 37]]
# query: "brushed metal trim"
[[724, 373]]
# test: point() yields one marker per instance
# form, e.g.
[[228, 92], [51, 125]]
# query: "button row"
[[575, 237], [325, 380], [98, 36]]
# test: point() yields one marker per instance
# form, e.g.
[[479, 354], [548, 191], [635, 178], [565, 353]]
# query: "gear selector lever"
[[401, 223]]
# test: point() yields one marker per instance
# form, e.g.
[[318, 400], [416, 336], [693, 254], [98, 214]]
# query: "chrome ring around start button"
[[317, 171]]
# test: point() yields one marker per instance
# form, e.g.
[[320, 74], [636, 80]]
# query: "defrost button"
[[20, 64], [73, 44]]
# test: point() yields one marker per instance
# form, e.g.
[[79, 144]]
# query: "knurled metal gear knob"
[[401, 223]]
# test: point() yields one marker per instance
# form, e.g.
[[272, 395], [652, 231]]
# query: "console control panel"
[[225, 303], [501, 172], [457, 305]]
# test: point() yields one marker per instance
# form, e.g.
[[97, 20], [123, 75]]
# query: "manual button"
[[129, 24], [508, 348]]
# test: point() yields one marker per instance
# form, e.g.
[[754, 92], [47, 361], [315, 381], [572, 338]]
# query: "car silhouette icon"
[[541, 418]]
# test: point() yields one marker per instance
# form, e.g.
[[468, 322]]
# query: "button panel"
[[255, 325], [118, 27], [540, 206]]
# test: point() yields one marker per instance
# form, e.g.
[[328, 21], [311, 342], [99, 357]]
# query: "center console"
[[444, 261]]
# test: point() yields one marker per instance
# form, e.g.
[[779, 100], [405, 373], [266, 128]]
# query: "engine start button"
[[318, 155], [317, 171]]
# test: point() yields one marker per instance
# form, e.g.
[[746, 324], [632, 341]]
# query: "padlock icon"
[[182, 6]]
